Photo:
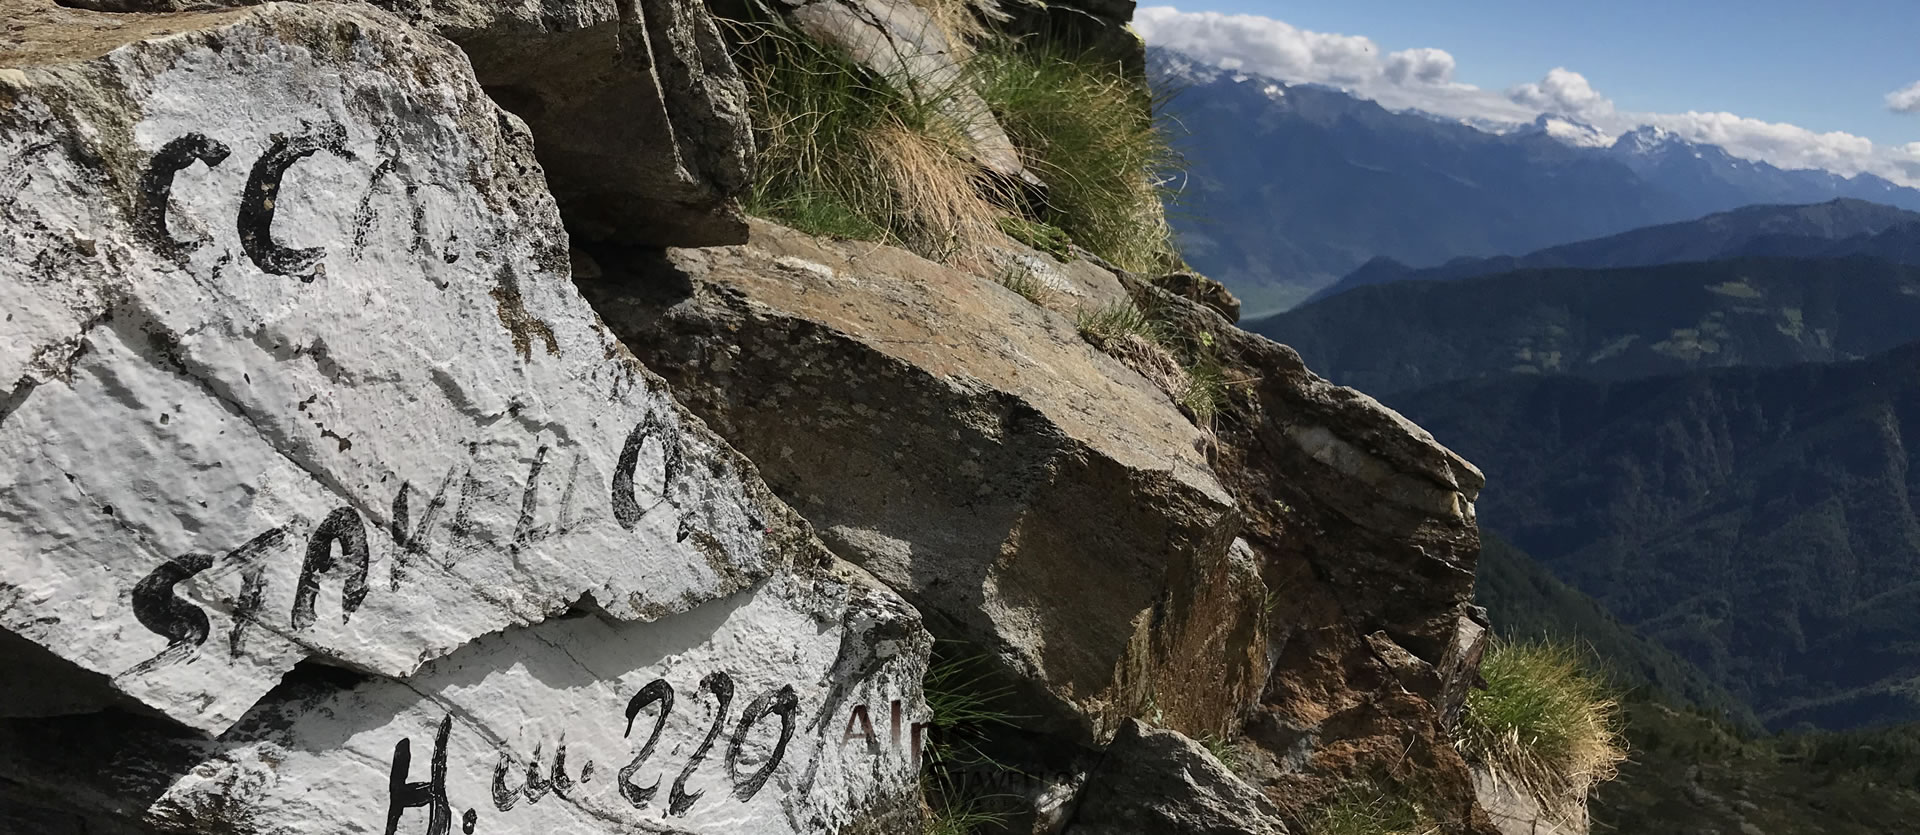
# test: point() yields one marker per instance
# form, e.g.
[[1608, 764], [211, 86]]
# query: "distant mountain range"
[[1834, 229], [1291, 186], [1764, 524], [1610, 324]]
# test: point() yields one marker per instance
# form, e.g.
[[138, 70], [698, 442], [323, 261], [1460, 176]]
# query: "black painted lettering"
[[504, 797], [558, 777], [156, 186], [782, 702], [412, 546], [184, 625], [431, 794], [258, 203], [626, 506], [524, 532], [894, 738], [679, 800], [660, 691], [343, 525], [253, 585]]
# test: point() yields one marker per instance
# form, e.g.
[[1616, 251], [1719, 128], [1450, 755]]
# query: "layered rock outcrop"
[[1365, 531], [1026, 491], [925, 419], [328, 503]]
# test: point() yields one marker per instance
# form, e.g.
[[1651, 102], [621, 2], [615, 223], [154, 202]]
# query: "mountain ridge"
[[1615, 323], [1291, 186], [1836, 228]]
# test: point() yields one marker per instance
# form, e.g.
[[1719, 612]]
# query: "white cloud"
[[1784, 145], [1565, 92], [1422, 79], [1905, 99], [1425, 65], [1413, 78], [1261, 45]]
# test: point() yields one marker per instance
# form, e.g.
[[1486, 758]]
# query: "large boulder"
[[1032, 496], [638, 112], [310, 443]]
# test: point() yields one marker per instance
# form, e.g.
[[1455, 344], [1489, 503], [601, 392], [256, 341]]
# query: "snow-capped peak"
[[1648, 139], [1572, 131]]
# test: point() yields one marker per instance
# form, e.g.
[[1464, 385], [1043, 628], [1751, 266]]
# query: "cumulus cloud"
[[1269, 47], [1565, 92], [1905, 99], [1260, 45], [1422, 79], [1425, 65], [1788, 146]]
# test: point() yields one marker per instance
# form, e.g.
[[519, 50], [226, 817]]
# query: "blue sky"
[[1826, 67], [1780, 61]]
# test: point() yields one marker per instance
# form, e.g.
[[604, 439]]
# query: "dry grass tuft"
[[1088, 129], [961, 22], [1545, 722], [1029, 286], [942, 208], [1128, 334]]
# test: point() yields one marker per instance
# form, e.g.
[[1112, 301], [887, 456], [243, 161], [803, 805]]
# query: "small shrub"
[[1544, 720]]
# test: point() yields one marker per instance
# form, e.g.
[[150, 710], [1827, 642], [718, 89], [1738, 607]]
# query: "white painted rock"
[[302, 375]]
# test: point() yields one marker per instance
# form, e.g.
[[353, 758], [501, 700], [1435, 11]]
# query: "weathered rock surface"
[[1155, 780], [1195, 287], [1028, 493], [1517, 812], [637, 111], [296, 373], [1364, 527]]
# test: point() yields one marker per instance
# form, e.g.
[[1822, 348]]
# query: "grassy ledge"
[[845, 153], [1544, 721]]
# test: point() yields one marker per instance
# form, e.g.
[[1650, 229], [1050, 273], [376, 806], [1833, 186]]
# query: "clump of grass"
[[1367, 810], [966, 706], [1128, 334], [960, 21], [1116, 321], [1543, 720], [1040, 235], [1029, 286], [845, 153], [1088, 130], [1224, 751], [963, 819], [1206, 392]]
